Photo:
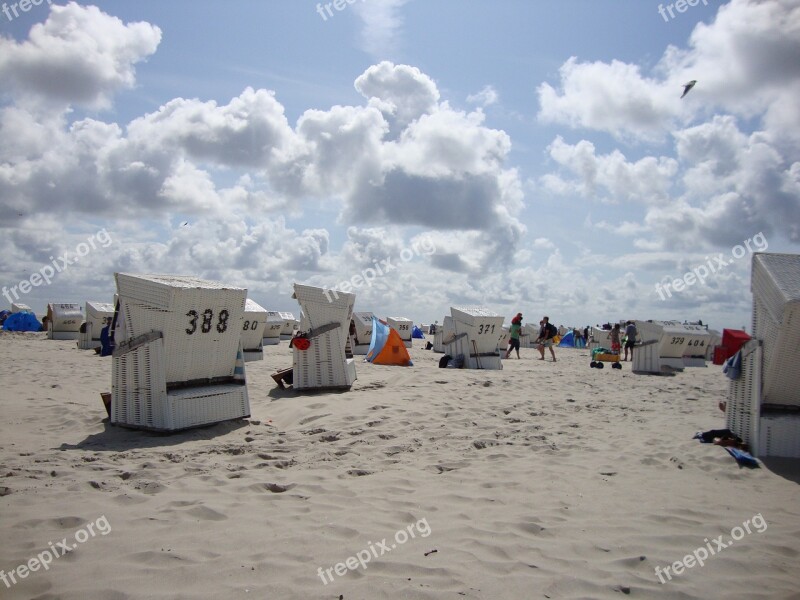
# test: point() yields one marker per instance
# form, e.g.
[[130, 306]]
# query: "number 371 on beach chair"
[[178, 361]]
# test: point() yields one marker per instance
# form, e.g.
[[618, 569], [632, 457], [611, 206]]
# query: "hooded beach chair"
[[318, 350], [476, 330], [444, 333], [272, 329], [20, 307], [290, 325], [64, 320], [763, 405], [668, 346], [502, 341], [361, 326], [255, 320], [404, 327], [177, 361], [98, 315]]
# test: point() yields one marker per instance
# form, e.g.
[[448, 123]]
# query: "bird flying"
[[688, 86]]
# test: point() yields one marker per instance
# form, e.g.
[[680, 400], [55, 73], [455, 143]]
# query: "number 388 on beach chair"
[[178, 360]]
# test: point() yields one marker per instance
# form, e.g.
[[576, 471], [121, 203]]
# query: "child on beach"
[[514, 332], [615, 344]]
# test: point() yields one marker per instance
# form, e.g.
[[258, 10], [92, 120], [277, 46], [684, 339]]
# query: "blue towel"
[[745, 459], [733, 366]]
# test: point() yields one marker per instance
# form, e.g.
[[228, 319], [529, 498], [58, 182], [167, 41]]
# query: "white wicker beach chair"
[[64, 320], [668, 346], [98, 315], [20, 307], [476, 330], [764, 403], [402, 326], [360, 341], [714, 340], [502, 341], [253, 326], [325, 325], [178, 360], [290, 325], [272, 329], [444, 333]]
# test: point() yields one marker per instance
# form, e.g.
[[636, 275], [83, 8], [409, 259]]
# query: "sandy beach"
[[543, 480]]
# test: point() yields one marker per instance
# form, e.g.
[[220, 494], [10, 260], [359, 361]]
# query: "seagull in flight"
[[688, 86]]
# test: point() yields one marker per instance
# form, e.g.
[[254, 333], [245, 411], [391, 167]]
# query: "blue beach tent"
[[22, 321], [568, 341]]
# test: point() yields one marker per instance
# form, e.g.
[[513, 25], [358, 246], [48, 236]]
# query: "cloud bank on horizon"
[[695, 175]]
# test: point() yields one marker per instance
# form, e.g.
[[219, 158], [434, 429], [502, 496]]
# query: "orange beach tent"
[[386, 347]]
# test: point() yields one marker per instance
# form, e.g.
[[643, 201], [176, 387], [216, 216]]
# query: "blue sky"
[[538, 151]]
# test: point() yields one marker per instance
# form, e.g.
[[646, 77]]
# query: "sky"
[[532, 157]]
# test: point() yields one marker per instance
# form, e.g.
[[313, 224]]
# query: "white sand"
[[539, 481]]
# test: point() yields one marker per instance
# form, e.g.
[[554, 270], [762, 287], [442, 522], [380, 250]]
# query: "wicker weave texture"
[[324, 363], [742, 409], [201, 325], [776, 321], [140, 399]]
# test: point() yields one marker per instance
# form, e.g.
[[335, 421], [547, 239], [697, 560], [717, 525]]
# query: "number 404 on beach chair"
[[178, 361]]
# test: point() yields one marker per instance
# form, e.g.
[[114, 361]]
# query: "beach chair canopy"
[[732, 341], [386, 346]]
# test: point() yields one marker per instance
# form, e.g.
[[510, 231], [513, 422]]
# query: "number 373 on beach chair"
[[178, 361]]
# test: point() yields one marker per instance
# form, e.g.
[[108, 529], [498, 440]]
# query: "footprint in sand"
[[359, 472], [275, 488], [313, 418]]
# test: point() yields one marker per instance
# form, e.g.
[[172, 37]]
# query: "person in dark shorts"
[[546, 335], [630, 339], [514, 331]]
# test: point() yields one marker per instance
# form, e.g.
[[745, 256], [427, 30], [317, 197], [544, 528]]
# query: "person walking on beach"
[[513, 332], [546, 335], [630, 335]]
